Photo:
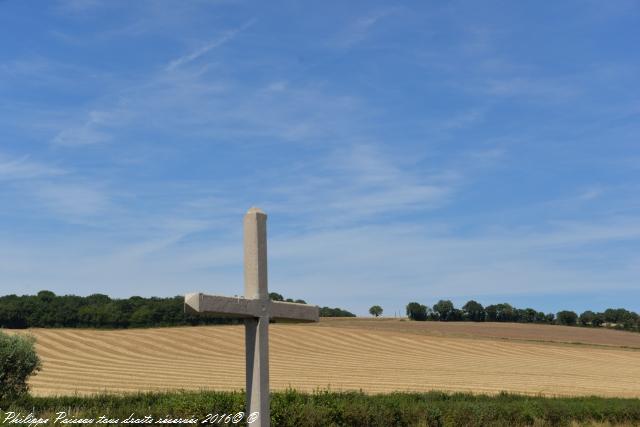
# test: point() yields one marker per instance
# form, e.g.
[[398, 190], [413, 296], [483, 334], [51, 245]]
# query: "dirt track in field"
[[375, 357]]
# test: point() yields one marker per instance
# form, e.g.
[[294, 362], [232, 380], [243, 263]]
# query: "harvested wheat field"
[[375, 357], [508, 331]]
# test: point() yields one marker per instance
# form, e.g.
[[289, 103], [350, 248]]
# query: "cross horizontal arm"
[[247, 308], [294, 312], [223, 306]]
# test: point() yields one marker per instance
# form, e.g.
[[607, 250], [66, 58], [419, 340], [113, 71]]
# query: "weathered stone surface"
[[255, 254], [246, 308], [224, 306], [291, 312]]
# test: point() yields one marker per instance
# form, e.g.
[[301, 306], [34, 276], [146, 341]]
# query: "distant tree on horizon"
[[566, 317], [474, 311], [375, 310], [416, 311], [501, 313], [274, 296], [444, 309], [587, 318]]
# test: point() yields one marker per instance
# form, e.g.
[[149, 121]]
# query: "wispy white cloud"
[[84, 135], [359, 183], [592, 193], [73, 201], [225, 38], [362, 26], [485, 157], [538, 88], [278, 86], [463, 120], [25, 67], [52, 192], [44, 74], [303, 113], [79, 6], [93, 131], [195, 100], [22, 168], [479, 40], [281, 111]]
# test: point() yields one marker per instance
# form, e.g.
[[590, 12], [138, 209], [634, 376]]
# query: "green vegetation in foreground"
[[351, 409], [18, 361]]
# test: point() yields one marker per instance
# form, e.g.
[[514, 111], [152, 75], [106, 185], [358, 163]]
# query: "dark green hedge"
[[47, 310]]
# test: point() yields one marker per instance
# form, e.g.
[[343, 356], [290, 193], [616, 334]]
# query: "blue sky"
[[403, 151]]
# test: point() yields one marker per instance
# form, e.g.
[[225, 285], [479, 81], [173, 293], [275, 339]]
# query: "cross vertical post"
[[257, 329]]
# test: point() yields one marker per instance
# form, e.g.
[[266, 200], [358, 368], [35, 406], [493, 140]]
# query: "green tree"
[[445, 309], [416, 311], [612, 315], [567, 317], [474, 311], [621, 318], [492, 313], [528, 315], [18, 361], [501, 313], [506, 313], [274, 296], [587, 318], [598, 320], [375, 310], [97, 299], [142, 317], [13, 313], [46, 296]]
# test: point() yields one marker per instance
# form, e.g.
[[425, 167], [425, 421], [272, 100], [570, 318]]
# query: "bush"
[[416, 311], [18, 361], [568, 318]]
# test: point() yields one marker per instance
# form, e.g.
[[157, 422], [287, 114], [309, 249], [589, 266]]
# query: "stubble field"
[[373, 355]]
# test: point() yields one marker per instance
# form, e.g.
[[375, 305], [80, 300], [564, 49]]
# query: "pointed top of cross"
[[254, 209]]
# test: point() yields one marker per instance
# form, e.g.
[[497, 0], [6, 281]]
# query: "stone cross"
[[256, 309]]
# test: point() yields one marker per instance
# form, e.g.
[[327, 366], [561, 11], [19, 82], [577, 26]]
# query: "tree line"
[[48, 310], [445, 311]]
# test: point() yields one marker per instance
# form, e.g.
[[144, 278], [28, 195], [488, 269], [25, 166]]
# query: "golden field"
[[375, 355]]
